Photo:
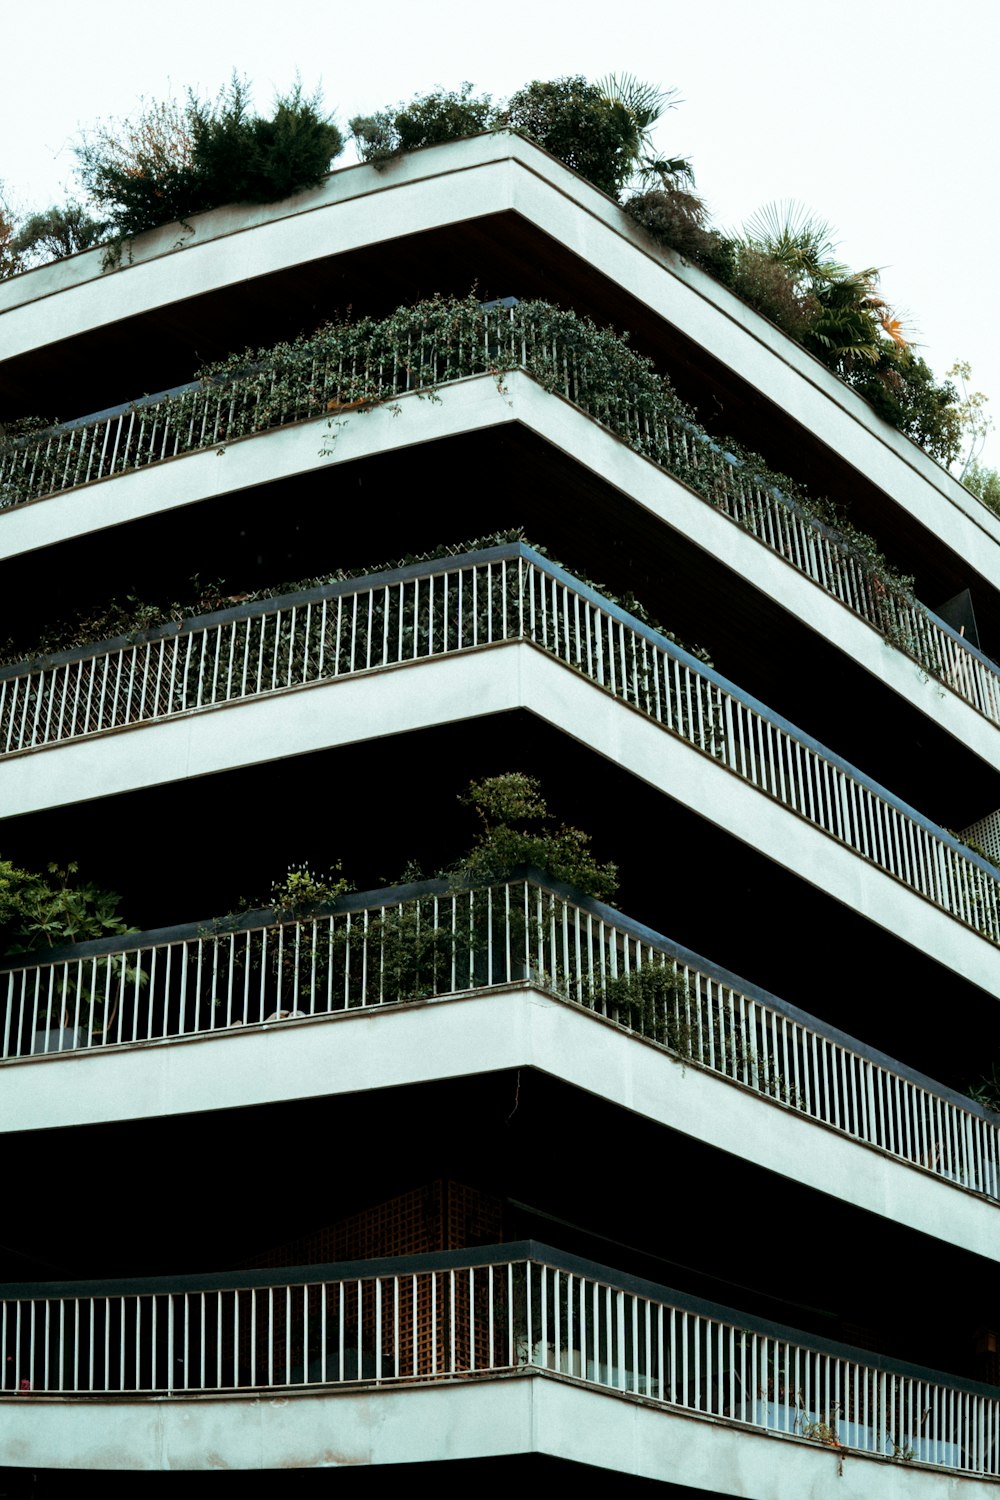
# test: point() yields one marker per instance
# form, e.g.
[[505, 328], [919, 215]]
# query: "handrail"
[[523, 1307], [438, 938], [480, 599], [204, 414]]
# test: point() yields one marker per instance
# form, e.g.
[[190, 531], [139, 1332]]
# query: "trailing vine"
[[350, 365]]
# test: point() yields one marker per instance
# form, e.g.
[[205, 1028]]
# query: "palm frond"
[[789, 232], [645, 102]]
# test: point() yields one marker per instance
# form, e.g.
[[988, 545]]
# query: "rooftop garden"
[[176, 159]]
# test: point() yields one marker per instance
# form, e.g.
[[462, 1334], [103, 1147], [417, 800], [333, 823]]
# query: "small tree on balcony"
[[516, 828]]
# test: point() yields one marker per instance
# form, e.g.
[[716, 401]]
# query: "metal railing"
[[480, 599], [428, 940], [198, 416], [465, 1314]]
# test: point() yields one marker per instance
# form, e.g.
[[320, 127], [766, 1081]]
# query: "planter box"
[[55, 1039]]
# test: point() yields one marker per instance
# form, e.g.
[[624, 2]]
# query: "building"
[[264, 1214]]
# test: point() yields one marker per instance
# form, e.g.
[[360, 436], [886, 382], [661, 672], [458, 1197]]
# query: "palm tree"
[[644, 104], [851, 322]]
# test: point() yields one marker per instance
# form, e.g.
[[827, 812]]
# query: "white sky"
[[880, 116]]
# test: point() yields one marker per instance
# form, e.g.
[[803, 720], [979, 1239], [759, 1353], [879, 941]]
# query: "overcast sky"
[[879, 116]]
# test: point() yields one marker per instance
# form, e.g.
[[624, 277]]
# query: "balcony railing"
[[466, 1314], [428, 940], [199, 416], [480, 599]]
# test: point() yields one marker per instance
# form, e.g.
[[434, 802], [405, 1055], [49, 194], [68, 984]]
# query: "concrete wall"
[[484, 1418], [385, 1048]]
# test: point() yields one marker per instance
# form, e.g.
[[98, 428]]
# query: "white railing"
[[203, 416], [428, 940], [476, 600], [466, 1314]]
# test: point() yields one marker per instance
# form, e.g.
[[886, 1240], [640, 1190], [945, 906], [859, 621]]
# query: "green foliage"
[[47, 910], [56, 233], [52, 909], [984, 482], [344, 365], [593, 134], [10, 259], [912, 400], [128, 617], [175, 160], [986, 1091], [678, 219], [239, 157], [427, 120], [784, 266], [413, 956], [516, 828], [654, 1001], [300, 889]]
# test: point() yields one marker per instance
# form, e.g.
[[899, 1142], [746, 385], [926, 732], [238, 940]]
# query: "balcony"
[[458, 1317], [376, 951], [205, 417], [479, 601]]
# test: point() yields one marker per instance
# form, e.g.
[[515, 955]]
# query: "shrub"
[[770, 289], [909, 397], [516, 828], [577, 122], [673, 217], [427, 120], [178, 160]]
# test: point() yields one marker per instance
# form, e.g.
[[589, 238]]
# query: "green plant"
[[174, 160], [984, 482], [579, 123], [10, 258], [370, 362], [55, 909], [653, 1000], [300, 888], [426, 120], [55, 233], [516, 828], [986, 1091]]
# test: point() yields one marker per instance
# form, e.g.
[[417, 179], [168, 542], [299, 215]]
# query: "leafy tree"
[[140, 172], [847, 321], [985, 483], [922, 407], [56, 233], [595, 135], [645, 104]]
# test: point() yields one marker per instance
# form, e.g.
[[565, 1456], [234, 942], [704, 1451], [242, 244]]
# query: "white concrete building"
[[427, 1178]]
